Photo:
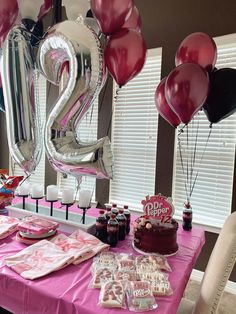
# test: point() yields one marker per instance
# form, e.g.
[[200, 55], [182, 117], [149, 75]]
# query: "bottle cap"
[[101, 211], [126, 206], [113, 216], [108, 209], [121, 211], [114, 205]]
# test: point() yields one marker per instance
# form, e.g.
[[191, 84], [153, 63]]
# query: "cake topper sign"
[[158, 207]]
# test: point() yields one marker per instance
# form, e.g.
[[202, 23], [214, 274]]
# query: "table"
[[67, 292]]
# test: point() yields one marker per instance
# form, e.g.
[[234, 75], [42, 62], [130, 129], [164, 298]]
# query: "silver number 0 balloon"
[[74, 44]]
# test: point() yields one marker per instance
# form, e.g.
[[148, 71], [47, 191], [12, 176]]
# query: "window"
[[87, 131], [39, 175], [134, 136], [212, 195]]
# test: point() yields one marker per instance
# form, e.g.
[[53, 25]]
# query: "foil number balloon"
[[76, 45], [19, 80]]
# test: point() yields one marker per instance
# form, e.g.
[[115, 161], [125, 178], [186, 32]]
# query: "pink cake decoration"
[[158, 207]]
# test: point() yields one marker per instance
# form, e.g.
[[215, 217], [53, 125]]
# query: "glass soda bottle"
[[187, 217], [101, 226], [108, 213], [122, 225], [127, 215], [112, 231], [114, 209]]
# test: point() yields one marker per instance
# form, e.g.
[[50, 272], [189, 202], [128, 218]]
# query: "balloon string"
[[181, 156], [79, 181], [187, 161], [203, 153], [194, 152], [115, 99]]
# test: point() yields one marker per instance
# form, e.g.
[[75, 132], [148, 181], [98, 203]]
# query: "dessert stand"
[[73, 223]]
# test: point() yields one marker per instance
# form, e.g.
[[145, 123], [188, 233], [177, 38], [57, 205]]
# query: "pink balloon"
[[163, 107], [45, 8], [197, 48], [186, 90], [134, 21], [8, 15], [125, 55], [111, 14]]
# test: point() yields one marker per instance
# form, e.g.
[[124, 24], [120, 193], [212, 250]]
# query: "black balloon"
[[221, 101]]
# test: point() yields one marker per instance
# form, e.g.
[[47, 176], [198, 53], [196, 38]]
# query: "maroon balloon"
[[125, 55], [163, 107], [45, 8], [186, 90], [134, 21], [111, 14], [197, 48], [8, 15]]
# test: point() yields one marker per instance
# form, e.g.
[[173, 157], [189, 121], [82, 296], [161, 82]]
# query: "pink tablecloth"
[[66, 291]]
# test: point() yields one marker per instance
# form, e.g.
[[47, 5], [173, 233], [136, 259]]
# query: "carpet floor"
[[227, 303]]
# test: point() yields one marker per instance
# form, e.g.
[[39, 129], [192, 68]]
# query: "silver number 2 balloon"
[[19, 80], [73, 44]]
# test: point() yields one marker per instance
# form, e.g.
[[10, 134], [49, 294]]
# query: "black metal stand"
[[84, 213], [37, 202], [67, 209], [51, 208], [23, 199]]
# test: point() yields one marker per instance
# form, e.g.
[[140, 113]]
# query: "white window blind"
[[87, 131], [134, 136], [38, 177], [212, 194]]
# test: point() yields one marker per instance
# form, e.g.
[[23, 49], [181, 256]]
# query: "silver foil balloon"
[[73, 44], [19, 81]]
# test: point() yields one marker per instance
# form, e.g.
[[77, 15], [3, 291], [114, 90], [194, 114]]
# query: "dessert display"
[[156, 230], [140, 278]]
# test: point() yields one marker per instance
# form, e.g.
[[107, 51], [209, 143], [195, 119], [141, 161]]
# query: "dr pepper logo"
[[158, 207]]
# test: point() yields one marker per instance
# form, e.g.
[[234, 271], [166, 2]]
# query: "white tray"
[[73, 223]]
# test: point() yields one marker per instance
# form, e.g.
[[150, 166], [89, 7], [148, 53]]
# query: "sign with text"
[[158, 207]]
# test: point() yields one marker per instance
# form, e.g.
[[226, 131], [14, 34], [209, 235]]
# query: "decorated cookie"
[[140, 296], [160, 288], [126, 264], [143, 263], [100, 276], [153, 276], [112, 295], [160, 262], [105, 259], [129, 275]]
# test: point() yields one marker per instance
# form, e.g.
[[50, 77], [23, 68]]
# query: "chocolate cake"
[[153, 236]]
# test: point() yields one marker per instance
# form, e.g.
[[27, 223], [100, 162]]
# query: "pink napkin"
[[89, 242], [37, 225], [38, 260], [8, 225], [78, 249]]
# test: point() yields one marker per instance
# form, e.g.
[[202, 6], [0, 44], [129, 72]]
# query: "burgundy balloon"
[[163, 107], [111, 14], [45, 8], [8, 15], [197, 48], [186, 90], [125, 55], [134, 21]]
